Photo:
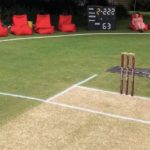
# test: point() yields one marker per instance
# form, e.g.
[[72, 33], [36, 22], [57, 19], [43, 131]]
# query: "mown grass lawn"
[[43, 67]]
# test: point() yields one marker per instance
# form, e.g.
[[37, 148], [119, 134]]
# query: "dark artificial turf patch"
[[141, 72]]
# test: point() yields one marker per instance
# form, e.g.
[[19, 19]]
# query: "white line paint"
[[71, 87], [69, 35], [100, 113], [114, 93], [61, 93], [21, 96], [79, 108]]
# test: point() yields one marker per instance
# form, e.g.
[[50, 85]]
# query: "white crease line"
[[21, 96], [61, 93], [71, 87], [100, 113], [114, 93], [70, 35], [79, 108]]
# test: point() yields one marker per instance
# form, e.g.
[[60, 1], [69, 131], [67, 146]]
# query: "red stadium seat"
[[3, 30], [133, 27], [65, 24], [20, 25], [43, 24]]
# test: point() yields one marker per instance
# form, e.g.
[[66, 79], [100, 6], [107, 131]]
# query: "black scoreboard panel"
[[101, 17]]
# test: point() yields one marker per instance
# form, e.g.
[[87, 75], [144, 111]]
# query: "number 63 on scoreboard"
[[106, 26]]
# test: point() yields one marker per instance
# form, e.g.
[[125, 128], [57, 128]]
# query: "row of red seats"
[[3, 30], [43, 25]]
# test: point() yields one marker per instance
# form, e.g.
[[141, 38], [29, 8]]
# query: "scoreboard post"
[[101, 17]]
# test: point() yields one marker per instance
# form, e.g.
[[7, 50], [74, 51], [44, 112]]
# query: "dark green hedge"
[[141, 5]]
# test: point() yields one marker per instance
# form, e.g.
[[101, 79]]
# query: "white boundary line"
[[80, 109], [71, 87], [69, 35], [114, 93]]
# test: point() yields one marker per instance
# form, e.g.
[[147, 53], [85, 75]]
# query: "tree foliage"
[[141, 5]]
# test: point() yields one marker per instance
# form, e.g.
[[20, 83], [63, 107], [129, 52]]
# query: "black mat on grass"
[[141, 72]]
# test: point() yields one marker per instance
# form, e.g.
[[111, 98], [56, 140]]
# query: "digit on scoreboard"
[[105, 17]]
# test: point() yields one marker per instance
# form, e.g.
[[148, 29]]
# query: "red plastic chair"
[[133, 27], [3, 30], [43, 24], [65, 24], [20, 25]]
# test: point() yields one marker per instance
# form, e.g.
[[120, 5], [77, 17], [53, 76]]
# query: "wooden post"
[[127, 73], [132, 80], [121, 73]]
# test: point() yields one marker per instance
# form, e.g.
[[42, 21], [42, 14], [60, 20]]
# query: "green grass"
[[147, 13], [43, 67], [12, 107]]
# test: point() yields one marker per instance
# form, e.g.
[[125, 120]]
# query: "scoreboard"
[[101, 17]]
